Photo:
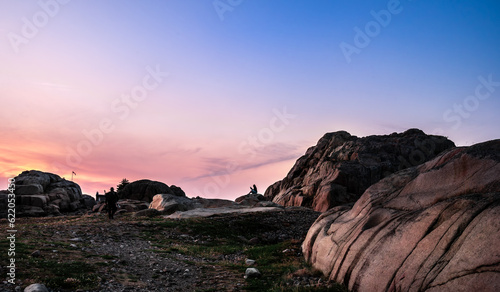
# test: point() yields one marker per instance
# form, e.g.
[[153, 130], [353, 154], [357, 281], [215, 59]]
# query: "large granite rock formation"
[[41, 193], [145, 190], [341, 167], [435, 227]]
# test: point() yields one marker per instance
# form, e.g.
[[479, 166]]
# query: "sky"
[[214, 96]]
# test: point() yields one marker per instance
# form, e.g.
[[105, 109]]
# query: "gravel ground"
[[131, 262]]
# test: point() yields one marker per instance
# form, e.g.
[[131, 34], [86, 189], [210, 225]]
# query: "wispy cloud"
[[270, 154], [53, 86], [178, 150]]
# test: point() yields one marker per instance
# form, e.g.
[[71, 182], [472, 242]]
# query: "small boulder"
[[88, 201], [249, 262], [168, 203], [254, 240], [250, 199], [252, 273], [102, 207], [36, 288], [97, 206]]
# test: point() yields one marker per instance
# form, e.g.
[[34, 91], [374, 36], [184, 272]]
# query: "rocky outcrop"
[[341, 167], [207, 212], [88, 201], [177, 202], [201, 207], [251, 200], [434, 227], [145, 190], [41, 193], [168, 203]]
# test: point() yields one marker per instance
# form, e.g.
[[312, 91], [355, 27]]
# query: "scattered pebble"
[[126, 253], [249, 262]]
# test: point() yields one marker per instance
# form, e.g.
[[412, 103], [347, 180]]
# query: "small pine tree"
[[122, 185]]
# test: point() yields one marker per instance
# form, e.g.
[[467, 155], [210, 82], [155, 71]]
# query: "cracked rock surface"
[[435, 227], [341, 167]]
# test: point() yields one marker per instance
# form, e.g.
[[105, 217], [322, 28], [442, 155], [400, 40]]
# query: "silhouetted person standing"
[[111, 200]]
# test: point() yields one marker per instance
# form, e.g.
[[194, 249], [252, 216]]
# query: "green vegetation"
[[65, 268], [215, 238], [78, 275], [217, 245], [66, 275]]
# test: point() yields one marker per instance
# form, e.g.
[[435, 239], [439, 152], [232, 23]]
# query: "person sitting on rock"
[[253, 190], [111, 200]]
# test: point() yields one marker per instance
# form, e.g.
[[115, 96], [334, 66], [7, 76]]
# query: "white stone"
[[252, 273], [249, 262], [36, 288]]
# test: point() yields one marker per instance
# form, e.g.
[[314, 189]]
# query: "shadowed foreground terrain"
[[91, 253]]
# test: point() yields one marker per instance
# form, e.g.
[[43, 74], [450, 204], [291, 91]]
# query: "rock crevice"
[[341, 167], [41, 193], [431, 227]]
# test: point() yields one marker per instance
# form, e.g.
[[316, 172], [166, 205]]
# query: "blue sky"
[[231, 67]]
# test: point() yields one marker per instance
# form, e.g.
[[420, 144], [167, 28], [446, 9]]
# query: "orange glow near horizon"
[[196, 175]]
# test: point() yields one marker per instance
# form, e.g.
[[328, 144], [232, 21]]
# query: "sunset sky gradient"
[[214, 96]]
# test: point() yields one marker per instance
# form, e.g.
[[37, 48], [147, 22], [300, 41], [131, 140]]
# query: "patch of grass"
[[22, 250], [215, 227], [47, 269], [208, 251], [108, 257], [133, 278], [217, 237], [66, 275], [275, 265]]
